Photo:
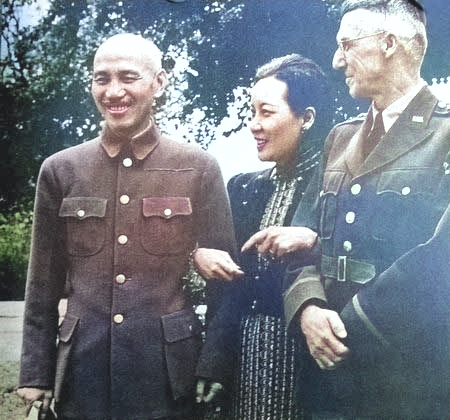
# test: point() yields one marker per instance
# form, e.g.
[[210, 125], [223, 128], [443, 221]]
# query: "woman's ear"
[[309, 116]]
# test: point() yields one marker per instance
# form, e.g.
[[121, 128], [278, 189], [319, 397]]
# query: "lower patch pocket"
[[182, 344]]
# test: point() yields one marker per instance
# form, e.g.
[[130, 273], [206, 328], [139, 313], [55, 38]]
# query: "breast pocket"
[[85, 224], [332, 182], [404, 202], [167, 226]]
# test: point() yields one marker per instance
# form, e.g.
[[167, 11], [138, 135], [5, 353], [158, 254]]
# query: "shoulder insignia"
[[442, 108]]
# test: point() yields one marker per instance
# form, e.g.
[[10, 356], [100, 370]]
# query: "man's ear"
[[161, 81], [390, 44]]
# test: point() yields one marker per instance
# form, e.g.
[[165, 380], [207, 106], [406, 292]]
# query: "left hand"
[[206, 391], [277, 241], [216, 264]]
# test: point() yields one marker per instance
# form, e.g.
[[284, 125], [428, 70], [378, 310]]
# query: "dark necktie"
[[374, 136]]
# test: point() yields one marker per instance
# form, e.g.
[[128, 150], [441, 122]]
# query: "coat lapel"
[[353, 155], [410, 129]]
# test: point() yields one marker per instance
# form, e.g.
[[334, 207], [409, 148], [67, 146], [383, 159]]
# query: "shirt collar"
[[393, 111], [141, 144]]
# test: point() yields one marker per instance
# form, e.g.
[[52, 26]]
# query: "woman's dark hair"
[[307, 86]]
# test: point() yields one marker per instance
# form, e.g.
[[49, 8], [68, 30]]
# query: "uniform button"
[[127, 162], [118, 318], [122, 239], [120, 279], [406, 190], [81, 213], [167, 212], [350, 217], [347, 245], [355, 189], [124, 199]]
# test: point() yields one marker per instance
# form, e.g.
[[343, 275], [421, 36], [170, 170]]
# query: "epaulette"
[[357, 119], [442, 108]]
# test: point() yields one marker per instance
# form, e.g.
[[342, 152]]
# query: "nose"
[[254, 124], [338, 59], [115, 89]]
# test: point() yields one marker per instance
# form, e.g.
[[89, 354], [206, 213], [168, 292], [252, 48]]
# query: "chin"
[[264, 158]]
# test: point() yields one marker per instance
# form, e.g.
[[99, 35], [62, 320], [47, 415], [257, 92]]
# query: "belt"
[[345, 269]]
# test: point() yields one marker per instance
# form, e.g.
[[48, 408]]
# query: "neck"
[[401, 84]]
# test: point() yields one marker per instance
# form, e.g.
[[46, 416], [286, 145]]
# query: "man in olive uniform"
[[116, 219], [381, 192]]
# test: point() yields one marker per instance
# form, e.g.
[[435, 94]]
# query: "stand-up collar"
[[141, 144]]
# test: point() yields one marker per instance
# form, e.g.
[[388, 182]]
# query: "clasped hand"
[[324, 332]]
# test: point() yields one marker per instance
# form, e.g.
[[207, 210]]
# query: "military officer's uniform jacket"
[[368, 213]]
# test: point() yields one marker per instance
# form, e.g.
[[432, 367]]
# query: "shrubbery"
[[15, 233]]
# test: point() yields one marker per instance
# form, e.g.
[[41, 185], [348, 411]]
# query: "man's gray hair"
[[404, 18]]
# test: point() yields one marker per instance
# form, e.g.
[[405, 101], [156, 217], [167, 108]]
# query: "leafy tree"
[[212, 51]]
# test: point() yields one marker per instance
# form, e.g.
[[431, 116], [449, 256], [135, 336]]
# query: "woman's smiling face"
[[277, 130]]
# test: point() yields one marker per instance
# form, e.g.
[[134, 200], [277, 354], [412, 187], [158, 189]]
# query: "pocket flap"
[[180, 325], [67, 328], [409, 181], [167, 207], [83, 207]]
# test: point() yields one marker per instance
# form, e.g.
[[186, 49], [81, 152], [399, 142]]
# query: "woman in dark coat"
[[247, 350]]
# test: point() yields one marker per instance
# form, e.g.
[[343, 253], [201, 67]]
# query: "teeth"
[[117, 107]]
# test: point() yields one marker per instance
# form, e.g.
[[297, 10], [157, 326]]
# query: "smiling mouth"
[[260, 143], [117, 109]]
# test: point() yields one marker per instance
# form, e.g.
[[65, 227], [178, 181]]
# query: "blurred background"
[[212, 51]]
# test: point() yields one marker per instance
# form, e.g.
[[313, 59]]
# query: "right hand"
[[216, 264], [324, 332], [32, 396], [207, 391], [279, 241]]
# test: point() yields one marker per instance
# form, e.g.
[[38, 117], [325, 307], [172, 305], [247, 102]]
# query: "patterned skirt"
[[265, 388]]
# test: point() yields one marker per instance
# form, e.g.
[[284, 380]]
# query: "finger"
[[338, 326], [44, 408], [266, 247], [200, 390], [213, 391], [320, 363], [229, 271], [254, 240]]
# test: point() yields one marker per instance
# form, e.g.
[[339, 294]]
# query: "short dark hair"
[[307, 86]]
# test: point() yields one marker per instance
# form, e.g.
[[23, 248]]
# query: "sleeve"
[[302, 283], [45, 286], [406, 309], [215, 226], [220, 351]]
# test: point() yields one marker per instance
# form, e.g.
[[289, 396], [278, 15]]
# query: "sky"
[[236, 153]]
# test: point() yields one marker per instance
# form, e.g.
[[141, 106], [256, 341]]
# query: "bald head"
[[132, 47]]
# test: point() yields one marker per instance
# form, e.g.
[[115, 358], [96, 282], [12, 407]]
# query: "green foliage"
[[15, 233]]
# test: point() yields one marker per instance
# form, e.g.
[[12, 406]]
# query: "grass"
[[11, 406]]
